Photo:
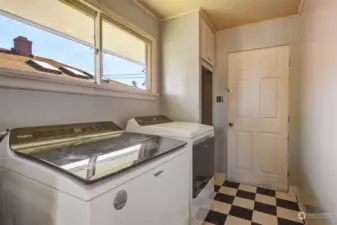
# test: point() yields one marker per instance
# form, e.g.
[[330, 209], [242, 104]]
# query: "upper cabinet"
[[207, 42]]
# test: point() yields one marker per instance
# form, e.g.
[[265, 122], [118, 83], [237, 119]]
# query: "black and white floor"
[[239, 204]]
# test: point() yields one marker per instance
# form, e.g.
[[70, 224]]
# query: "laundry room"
[[171, 112]]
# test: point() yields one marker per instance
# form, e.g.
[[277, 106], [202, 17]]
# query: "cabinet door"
[[204, 41], [211, 46], [171, 191]]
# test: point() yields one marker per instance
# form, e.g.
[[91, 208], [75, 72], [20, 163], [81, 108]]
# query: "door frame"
[[203, 63], [289, 92]]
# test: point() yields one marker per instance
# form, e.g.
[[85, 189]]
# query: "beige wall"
[[30, 108], [263, 35], [180, 68], [318, 107]]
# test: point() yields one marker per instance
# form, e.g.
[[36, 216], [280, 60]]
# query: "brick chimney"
[[23, 46]]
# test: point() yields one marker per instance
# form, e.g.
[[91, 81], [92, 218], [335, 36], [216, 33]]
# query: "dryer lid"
[[161, 125]]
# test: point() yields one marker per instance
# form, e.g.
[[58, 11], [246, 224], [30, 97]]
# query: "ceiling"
[[223, 14]]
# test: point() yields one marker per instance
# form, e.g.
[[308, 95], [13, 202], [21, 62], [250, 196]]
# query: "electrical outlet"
[[219, 99]]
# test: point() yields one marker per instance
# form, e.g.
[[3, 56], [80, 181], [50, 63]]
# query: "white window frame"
[[13, 78]]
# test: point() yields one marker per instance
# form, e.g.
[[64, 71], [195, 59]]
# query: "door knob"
[[230, 124], [229, 90]]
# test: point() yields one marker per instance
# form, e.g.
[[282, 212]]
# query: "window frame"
[[101, 12]]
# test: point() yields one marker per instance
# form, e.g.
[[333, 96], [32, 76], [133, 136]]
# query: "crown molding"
[[146, 9], [259, 22], [207, 19]]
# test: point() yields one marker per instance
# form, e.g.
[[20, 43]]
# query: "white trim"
[[180, 14], [207, 65], [18, 79], [294, 190], [98, 49]]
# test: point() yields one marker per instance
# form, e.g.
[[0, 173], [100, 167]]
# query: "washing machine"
[[200, 143], [92, 174]]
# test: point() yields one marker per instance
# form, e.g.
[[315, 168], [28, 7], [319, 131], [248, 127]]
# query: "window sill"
[[18, 79]]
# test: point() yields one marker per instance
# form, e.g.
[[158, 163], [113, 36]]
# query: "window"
[[124, 56], [61, 41], [36, 39]]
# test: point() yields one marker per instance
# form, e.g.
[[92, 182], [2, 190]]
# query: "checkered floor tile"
[[239, 204]]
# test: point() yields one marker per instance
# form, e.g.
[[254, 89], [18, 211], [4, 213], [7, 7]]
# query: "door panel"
[[244, 150], [258, 110], [268, 101], [268, 153]]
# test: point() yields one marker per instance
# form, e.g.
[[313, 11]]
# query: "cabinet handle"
[[158, 173]]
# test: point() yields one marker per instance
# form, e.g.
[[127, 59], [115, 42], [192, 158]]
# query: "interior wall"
[[20, 108], [31, 108], [318, 109], [262, 35], [180, 98]]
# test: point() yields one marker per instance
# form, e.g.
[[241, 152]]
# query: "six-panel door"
[[258, 110]]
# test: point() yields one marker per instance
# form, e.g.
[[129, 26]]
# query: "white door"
[[258, 117]]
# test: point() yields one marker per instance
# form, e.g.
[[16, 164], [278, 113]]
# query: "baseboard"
[[295, 190], [221, 175]]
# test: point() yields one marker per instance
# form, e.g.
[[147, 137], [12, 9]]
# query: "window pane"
[[124, 58], [58, 40]]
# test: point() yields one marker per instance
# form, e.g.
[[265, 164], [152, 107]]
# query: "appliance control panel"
[[44, 133]]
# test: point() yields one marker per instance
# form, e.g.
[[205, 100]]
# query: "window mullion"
[[98, 49], [148, 69]]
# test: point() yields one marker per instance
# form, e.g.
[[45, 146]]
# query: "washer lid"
[[175, 129], [87, 154]]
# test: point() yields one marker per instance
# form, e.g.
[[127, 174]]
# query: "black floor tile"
[[282, 221], [231, 184], [216, 218], [240, 212], [245, 194], [287, 204], [216, 188], [224, 198], [265, 208], [264, 191]]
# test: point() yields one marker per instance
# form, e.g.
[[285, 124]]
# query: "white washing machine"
[[92, 174], [200, 141]]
